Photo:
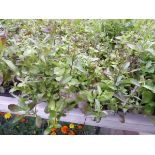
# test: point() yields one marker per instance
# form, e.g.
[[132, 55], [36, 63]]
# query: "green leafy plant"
[[95, 65]]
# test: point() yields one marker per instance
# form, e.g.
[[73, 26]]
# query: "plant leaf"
[[14, 108], [10, 64], [1, 79], [126, 66], [150, 87], [131, 81], [97, 105], [38, 121]]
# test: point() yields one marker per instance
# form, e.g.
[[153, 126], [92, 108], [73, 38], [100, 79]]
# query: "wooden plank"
[[133, 122]]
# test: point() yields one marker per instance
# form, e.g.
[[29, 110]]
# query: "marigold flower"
[[2, 113], [7, 115], [64, 129], [53, 133], [53, 129], [71, 126], [22, 120], [71, 132], [79, 127]]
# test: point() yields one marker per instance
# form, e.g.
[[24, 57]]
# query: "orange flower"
[[22, 120], [71, 132], [79, 127], [2, 113], [64, 129], [53, 133], [53, 129]]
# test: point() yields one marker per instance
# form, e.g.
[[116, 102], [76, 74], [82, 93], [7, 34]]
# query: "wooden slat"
[[133, 122]]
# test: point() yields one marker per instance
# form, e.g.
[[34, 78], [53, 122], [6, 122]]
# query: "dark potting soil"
[[6, 94], [7, 87]]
